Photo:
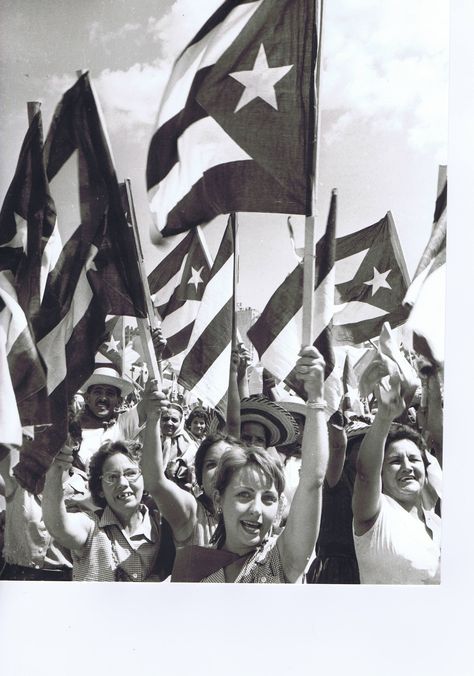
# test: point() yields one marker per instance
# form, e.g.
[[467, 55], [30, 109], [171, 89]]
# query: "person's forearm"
[[55, 515], [152, 456], [314, 448], [371, 452]]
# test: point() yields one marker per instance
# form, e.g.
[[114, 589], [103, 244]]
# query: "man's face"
[[102, 400]]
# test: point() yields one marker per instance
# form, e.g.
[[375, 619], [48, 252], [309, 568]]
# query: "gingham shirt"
[[107, 547], [263, 566]]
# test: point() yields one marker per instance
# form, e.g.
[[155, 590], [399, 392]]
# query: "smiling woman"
[[397, 540], [122, 540], [248, 487]]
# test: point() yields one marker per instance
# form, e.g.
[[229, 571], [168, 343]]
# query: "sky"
[[383, 101]]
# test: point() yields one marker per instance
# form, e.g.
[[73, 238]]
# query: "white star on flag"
[[112, 344], [379, 280], [196, 278], [260, 81]]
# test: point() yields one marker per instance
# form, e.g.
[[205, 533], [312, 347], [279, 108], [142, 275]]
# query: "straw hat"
[[279, 423], [108, 374]]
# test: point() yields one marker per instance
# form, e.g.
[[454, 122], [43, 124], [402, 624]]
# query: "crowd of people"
[[272, 492]]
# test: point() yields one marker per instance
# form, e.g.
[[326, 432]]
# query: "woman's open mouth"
[[251, 527]]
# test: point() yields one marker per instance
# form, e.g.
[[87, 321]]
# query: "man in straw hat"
[[100, 420]]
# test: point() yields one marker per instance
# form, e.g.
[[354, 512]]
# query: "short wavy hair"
[[235, 459], [398, 431], [197, 412], [129, 448]]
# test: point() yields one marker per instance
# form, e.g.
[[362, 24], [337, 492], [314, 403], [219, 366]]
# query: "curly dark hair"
[[206, 444], [131, 449], [398, 431], [197, 412]]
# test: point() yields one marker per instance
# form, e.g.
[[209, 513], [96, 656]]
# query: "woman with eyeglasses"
[[121, 541]]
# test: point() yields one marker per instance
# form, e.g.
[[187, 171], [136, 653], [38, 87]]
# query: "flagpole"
[[33, 107], [309, 238], [144, 326]]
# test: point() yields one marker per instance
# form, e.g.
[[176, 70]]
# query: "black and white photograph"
[[229, 350]]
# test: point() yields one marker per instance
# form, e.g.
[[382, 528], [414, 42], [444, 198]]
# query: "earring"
[[219, 511]]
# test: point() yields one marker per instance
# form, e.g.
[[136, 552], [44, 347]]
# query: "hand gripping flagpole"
[[309, 238], [144, 325]]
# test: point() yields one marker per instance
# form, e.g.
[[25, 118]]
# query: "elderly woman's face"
[[403, 471], [249, 507], [122, 486]]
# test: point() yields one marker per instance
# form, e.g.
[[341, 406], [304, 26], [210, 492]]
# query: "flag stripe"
[[206, 360], [204, 124], [201, 357], [201, 54], [204, 145], [210, 196]]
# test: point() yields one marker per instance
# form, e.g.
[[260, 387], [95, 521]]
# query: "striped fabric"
[[369, 281], [277, 333], [426, 295], [96, 273], [206, 362], [244, 81], [177, 286], [27, 220]]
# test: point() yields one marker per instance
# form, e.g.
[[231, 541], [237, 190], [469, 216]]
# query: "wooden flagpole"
[[144, 326], [309, 238]]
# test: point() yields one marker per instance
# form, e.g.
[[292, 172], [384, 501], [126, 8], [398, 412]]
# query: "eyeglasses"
[[132, 475]]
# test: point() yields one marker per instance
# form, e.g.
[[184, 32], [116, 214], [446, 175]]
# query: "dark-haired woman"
[[197, 423], [397, 541], [248, 487], [121, 540]]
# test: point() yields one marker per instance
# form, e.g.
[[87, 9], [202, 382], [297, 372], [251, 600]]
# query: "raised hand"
[[310, 370], [159, 342], [154, 401]]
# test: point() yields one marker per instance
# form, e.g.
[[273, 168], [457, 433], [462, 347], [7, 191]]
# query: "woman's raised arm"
[[298, 539], [366, 498], [69, 529], [176, 505]]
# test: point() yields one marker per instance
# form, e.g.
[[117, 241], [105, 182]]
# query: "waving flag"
[[426, 294], [370, 282], [96, 273], [245, 81], [206, 364], [27, 221], [177, 285], [351, 403]]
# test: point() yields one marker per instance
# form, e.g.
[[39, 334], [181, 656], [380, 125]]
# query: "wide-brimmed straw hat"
[[108, 374], [293, 405], [279, 423]]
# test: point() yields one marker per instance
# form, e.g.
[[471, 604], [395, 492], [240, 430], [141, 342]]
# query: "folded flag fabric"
[[27, 245], [426, 296], [206, 364], [177, 287], [96, 273], [245, 80]]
